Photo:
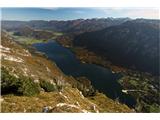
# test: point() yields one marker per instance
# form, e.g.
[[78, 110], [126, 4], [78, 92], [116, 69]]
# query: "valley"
[[114, 65], [30, 82]]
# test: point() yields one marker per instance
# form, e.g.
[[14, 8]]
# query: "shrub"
[[154, 108], [28, 87], [19, 86], [17, 33], [47, 86], [9, 83]]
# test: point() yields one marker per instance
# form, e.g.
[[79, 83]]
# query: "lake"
[[102, 78]]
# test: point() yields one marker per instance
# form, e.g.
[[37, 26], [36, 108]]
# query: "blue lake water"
[[102, 78]]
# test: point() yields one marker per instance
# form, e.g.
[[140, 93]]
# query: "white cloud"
[[151, 13], [145, 13]]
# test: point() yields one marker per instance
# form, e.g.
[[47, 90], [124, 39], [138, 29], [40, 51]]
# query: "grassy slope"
[[36, 103]]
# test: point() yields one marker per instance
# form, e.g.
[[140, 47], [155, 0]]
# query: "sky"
[[26, 14]]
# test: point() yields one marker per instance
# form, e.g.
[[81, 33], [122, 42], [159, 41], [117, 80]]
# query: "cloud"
[[151, 13], [145, 13]]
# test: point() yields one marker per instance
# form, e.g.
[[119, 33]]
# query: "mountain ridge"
[[131, 36]]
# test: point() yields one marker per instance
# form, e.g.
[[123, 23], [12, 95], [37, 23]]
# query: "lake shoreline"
[[86, 70], [131, 80]]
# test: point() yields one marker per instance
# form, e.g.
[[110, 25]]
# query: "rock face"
[[85, 86], [133, 44], [41, 83]]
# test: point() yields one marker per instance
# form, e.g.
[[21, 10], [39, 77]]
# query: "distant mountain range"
[[134, 44], [70, 26]]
